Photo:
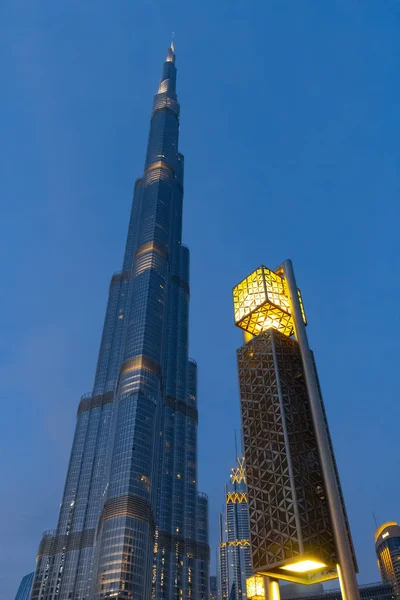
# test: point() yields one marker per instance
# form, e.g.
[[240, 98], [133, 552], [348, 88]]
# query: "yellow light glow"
[[304, 566], [274, 592], [261, 302], [239, 543], [236, 497], [255, 588], [239, 474], [249, 294], [247, 336], [339, 572], [303, 313]]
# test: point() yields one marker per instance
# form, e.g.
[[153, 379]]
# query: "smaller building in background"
[[297, 590], [387, 546], [371, 591], [25, 587], [203, 547], [234, 548], [213, 587]]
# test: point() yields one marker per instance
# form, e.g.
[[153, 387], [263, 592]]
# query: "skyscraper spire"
[[131, 518], [171, 49]]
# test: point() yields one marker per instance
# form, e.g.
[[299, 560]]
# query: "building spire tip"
[[171, 49]]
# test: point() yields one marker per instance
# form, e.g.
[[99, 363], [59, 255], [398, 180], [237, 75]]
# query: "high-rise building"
[[298, 524], [298, 590], [387, 547], [202, 553], [370, 591], [213, 588], [25, 587], [234, 564], [132, 524]]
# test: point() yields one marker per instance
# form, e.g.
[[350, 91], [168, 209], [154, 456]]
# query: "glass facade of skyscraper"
[[234, 549], [131, 522], [213, 588], [25, 587]]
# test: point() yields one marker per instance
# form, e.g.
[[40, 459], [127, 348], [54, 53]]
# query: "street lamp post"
[[346, 571], [298, 524]]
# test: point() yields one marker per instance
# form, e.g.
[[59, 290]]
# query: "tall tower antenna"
[[173, 41], [376, 524], [236, 450]]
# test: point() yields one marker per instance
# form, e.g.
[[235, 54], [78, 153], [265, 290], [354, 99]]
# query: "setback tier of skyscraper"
[[131, 521], [234, 564]]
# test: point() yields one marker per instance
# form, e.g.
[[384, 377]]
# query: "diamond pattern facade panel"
[[289, 515]]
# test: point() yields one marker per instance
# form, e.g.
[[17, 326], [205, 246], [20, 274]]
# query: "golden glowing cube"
[[255, 588], [261, 302]]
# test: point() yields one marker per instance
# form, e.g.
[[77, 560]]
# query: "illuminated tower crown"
[[261, 302]]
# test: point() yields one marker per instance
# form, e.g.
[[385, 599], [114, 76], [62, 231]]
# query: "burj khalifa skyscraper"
[[132, 524]]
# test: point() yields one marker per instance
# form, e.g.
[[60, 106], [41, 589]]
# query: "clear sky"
[[290, 129]]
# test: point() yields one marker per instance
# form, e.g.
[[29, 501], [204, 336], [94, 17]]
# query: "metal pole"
[[344, 597], [272, 589], [346, 572]]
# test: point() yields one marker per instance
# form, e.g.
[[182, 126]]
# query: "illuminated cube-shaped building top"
[[261, 301]]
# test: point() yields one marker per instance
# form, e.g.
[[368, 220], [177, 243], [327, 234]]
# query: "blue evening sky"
[[290, 129]]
